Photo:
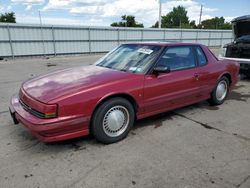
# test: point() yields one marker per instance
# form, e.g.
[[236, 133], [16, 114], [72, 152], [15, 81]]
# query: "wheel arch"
[[228, 76], [126, 96]]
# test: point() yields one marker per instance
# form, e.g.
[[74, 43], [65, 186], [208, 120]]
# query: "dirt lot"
[[196, 146]]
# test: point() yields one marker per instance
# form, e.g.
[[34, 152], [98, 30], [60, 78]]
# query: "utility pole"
[[159, 21], [40, 18], [41, 26], [200, 15]]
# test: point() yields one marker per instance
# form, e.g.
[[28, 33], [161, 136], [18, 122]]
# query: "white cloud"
[[28, 1], [85, 10], [5, 8], [145, 11], [1, 8], [57, 5], [28, 7], [46, 20], [108, 9], [9, 8], [60, 21], [229, 18], [69, 4], [104, 12]]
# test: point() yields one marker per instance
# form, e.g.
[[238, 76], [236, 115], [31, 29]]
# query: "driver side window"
[[177, 58]]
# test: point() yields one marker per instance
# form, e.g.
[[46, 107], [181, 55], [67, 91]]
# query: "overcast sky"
[[104, 12]]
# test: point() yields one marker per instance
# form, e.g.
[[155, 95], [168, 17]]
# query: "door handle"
[[196, 75]]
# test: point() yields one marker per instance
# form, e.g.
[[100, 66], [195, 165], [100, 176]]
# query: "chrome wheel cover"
[[221, 90], [115, 121]]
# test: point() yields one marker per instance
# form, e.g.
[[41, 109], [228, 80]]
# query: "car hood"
[[69, 81], [241, 28]]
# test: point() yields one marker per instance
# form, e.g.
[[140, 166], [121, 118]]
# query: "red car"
[[131, 82]]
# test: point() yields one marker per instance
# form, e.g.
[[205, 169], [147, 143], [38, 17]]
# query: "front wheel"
[[113, 120], [220, 92]]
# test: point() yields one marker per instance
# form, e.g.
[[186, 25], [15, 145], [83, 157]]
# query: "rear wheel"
[[113, 120], [220, 92]]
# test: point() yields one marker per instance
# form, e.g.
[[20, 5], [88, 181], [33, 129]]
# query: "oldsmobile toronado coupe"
[[133, 81]]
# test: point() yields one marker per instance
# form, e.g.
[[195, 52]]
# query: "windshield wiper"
[[123, 70], [99, 65]]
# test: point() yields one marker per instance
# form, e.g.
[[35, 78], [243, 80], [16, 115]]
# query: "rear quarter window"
[[201, 57]]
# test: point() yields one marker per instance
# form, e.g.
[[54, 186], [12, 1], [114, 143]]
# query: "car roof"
[[162, 43], [241, 18]]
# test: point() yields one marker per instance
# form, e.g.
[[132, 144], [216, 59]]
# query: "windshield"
[[243, 39], [135, 58]]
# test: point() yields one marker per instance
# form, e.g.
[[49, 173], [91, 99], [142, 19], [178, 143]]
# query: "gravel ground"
[[196, 146]]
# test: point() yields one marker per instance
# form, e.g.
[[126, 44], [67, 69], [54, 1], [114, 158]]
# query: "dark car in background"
[[239, 49]]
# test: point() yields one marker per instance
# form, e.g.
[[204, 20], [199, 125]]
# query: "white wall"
[[26, 40]]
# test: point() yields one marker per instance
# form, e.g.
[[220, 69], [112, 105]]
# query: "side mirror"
[[161, 69]]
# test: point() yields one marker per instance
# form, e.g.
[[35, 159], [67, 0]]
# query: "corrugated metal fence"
[[28, 40]]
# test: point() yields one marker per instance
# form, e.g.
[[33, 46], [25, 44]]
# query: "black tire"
[[97, 126], [248, 74], [214, 100]]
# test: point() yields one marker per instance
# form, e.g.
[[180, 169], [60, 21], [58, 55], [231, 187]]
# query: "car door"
[[177, 88], [203, 72]]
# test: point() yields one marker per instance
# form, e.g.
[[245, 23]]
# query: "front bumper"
[[49, 130]]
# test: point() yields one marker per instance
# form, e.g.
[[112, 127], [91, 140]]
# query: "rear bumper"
[[49, 130], [239, 60]]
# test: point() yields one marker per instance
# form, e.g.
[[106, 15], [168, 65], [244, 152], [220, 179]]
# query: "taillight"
[[50, 111]]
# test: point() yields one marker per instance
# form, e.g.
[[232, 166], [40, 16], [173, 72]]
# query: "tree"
[[8, 17], [193, 25], [176, 18], [156, 25], [127, 21], [215, 23]]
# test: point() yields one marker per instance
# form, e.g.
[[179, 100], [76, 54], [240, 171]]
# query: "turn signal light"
[[50, 111], [50, 115]]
